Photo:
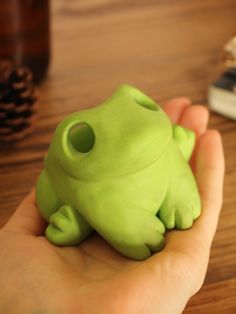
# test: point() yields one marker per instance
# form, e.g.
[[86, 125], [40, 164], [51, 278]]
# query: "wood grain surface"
[[165, 47]]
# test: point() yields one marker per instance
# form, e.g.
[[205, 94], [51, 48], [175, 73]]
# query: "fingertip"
[[30, 198], [175, 107], [196, 118], [26, 218], [179, 101], [215, 135], [211, 146], [204, 112]]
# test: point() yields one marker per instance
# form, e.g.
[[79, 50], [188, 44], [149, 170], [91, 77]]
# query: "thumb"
[[26, 219]]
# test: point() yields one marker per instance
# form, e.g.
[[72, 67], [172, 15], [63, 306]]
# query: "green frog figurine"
[[120, 169]]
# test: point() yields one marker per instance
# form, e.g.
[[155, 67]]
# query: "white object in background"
[[229, 53], [222, 93]]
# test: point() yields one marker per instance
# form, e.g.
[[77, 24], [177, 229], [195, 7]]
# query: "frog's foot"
[[143, 240], [180, 216], [67, 227], [185, 140]]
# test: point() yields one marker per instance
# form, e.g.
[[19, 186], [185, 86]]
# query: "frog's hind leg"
[[185, 140], [67, 227], [47, 200], [133, 231]]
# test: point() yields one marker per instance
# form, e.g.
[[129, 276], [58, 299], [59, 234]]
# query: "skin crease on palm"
[[40, 278]]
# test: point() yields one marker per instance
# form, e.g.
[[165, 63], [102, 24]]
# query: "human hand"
[[39, 278]]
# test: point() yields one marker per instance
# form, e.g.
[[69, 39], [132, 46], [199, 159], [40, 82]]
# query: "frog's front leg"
[[67, 227], [185, 140], [181, 205]]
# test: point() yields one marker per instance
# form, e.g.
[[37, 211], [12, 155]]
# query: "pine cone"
[[18, 101]]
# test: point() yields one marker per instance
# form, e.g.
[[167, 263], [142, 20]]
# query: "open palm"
[[37, 277]]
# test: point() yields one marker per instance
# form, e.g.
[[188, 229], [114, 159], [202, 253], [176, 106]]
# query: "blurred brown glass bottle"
[[25, 34]]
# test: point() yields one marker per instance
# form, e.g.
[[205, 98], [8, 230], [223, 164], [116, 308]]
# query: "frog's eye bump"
[[143, 100], [148, 104], [82, 137]]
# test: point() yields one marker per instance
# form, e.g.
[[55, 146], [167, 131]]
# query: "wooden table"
[[167, 48]]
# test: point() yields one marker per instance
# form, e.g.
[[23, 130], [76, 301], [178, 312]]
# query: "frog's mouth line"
[[82, 140], [82, 137]]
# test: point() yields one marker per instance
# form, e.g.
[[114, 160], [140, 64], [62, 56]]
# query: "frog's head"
[[125, 134]]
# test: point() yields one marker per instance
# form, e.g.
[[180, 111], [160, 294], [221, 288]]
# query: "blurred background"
[[166, 48]]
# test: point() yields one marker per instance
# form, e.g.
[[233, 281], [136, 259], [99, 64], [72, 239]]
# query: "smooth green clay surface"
[[121, 169]]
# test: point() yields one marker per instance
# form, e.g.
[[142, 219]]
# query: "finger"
[[190, 248], [175, 108], [195, 118], [209, 175], [26, 219], [186, 252]]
